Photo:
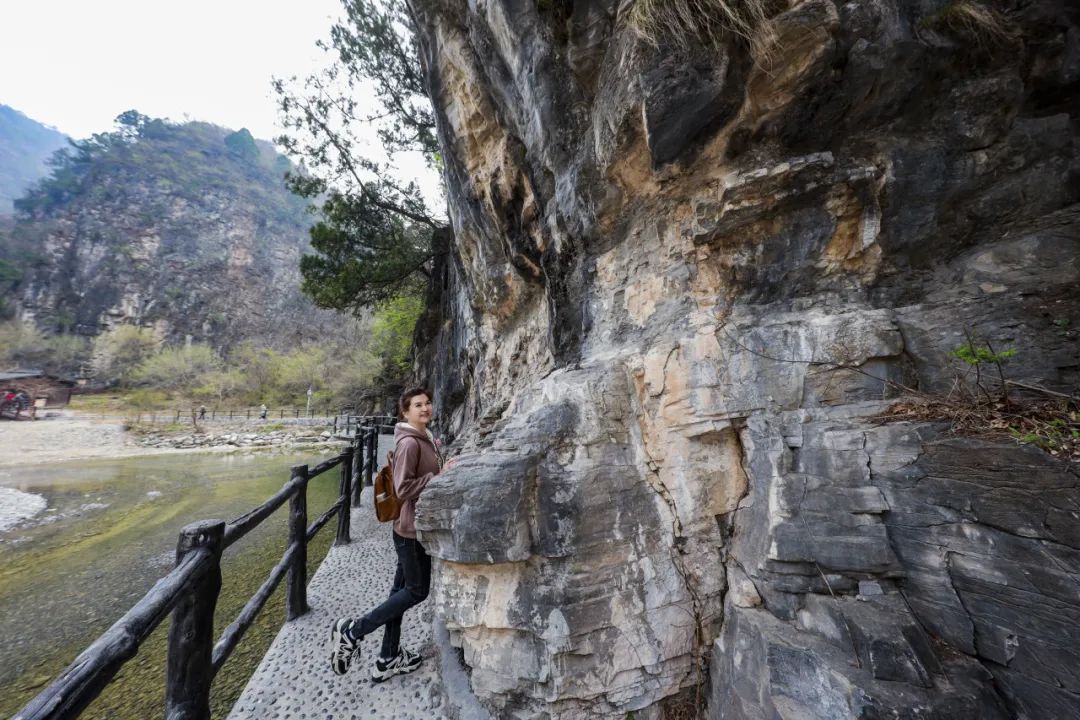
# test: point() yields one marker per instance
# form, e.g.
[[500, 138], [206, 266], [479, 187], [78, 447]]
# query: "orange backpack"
[[387, 507]]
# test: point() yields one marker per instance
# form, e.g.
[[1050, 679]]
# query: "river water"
[[82, 542]]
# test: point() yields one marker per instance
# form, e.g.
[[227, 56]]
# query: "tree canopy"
[[373, 239], [191, 159]]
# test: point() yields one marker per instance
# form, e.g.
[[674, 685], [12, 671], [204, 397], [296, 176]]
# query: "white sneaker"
[[402, 663], [342, 647]]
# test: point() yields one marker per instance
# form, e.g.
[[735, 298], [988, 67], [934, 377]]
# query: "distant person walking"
[[262, 411], [202, 412], [416, 461]]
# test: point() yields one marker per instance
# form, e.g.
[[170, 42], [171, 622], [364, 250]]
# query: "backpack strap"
[[415, 440]]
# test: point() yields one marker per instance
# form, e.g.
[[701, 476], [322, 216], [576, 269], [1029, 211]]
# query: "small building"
[[45, 391]]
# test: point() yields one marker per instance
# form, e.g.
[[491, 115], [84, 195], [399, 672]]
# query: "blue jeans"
[[412, 582]]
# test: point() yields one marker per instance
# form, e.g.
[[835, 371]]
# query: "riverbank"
[[107, 534], [74, 437]]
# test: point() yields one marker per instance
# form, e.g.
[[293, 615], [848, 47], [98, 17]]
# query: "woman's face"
[[419, 412]]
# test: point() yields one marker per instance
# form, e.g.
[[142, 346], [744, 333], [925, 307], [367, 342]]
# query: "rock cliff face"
[[170, 230], [684, 284]]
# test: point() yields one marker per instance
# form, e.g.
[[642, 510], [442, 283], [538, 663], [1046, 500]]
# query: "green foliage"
[[352, 378], [1058, 436], [20, 252], [259, 369], [1063, 329], [339, 371], [242, 145], [974, 354], [178, 367], [147, 399], [392, 332], [366, 256], [190, 160], [119, 352], [23, 346], [10, 278], [220, 384], [376, 44], [302, 369], [373, 240], [66, 354]]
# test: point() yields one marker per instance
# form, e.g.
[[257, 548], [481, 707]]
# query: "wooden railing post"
[[362, 449], [191, 634], [296, 590], [357, 470], [344, 521], [373, 455]]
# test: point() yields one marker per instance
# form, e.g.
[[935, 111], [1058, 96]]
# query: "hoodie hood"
[[404, 429]]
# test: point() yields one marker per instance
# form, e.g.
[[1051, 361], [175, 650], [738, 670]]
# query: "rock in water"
[[685, 280], [17, 506]]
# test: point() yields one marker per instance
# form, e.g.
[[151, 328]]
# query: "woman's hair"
[[407, 396]]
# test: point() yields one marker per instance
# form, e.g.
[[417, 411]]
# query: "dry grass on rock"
[[1050, 425], [974, 23], [710, 22]]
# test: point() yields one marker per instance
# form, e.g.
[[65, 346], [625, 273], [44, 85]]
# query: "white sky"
[[77, 64]]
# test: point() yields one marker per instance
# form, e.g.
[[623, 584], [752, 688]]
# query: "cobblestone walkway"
[[294, 680]]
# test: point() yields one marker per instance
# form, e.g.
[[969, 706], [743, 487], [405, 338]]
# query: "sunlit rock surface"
[[683, 284]]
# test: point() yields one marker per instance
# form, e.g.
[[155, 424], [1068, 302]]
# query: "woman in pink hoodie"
[[416, 461]]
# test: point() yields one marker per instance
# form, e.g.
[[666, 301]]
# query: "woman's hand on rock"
[[449, 464]]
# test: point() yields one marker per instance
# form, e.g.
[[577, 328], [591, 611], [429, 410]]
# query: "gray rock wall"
[[684, 284]]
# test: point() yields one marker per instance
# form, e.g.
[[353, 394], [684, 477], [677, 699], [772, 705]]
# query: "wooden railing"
[[190, 593], [347, 423], [215, 414]]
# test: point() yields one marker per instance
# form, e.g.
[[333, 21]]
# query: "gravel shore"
[[71, 437]]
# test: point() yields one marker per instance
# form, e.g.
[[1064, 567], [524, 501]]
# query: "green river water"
[[108, 533]]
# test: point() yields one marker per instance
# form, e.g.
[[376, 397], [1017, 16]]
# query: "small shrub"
[[147, 399], [177, 367], [977, 354]]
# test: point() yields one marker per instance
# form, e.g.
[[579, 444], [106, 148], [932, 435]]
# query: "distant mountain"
[[25, 144], [187, 229]]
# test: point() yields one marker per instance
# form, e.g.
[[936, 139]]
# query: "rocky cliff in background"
[[685, 284], [187, 229]]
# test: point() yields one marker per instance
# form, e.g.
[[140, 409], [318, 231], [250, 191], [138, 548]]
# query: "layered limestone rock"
[[685, 282]]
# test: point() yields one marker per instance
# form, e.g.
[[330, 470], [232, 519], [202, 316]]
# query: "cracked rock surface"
[[682, 283]]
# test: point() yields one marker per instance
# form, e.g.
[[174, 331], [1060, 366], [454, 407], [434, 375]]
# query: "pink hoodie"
[[416, 461]]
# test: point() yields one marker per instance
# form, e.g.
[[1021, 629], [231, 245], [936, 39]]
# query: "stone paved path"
[[294, 680]]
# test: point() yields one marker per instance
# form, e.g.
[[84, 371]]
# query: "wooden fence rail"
[[190, 592]]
